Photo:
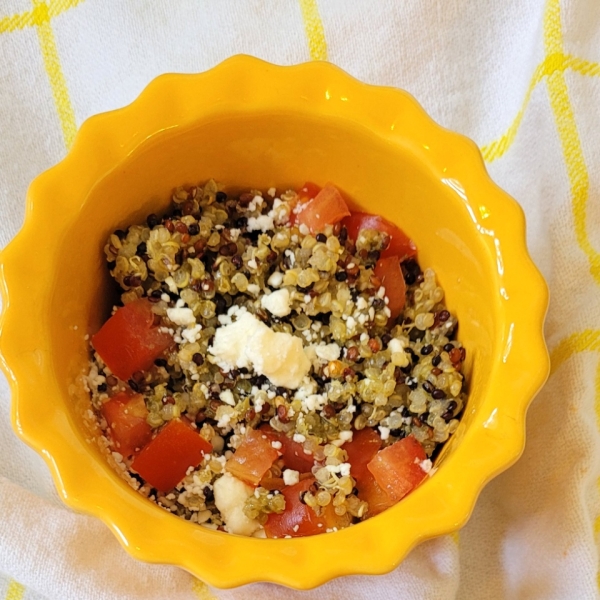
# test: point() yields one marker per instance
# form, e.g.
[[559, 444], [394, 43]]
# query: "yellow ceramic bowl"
[[250, 123]]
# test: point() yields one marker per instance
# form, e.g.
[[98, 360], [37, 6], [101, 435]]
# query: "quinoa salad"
[[277, 365]]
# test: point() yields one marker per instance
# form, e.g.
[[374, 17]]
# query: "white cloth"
[[522, 79]]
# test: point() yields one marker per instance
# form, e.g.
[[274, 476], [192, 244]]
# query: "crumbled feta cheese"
[[252, 264], [260, 223], [172, 285], [181, 316], [227, 397], [277, 303], [276, 279], [426, 465], [276, 444], [248, 341], [299, 438], [234, 234], [291, 477], [180, 303], [328, 352], [342, 469], [223, 421], [396, 345], [361, 303], [255, 203], [351, 325], [381, 292], [192, 334], [230, 497], [346, 436], [165, 297], [384, 432]]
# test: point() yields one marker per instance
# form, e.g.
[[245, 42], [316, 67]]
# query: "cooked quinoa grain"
[[232, 288]]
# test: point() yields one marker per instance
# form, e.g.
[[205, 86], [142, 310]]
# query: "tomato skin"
[[389, 272], [326, 208], [396, 468], [253, 458], [126, 416], [298, 514], [164, 462], [400, 244], [292, 453], [308, 191], [361, 450], [128, 341]]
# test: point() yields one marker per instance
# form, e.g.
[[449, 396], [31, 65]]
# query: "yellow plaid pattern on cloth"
[[551, 71]]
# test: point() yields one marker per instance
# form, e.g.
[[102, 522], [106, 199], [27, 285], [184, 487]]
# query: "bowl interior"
[[393, 176], [280, 150]]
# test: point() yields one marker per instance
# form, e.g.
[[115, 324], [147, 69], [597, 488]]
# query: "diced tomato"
[[128, 341], [389, 272], [308, 191], [164, 462], [400, 244], [363, 447], [253, 457], [126, 416], [298, 519], [328, 207], [292, 453], [397, 468]]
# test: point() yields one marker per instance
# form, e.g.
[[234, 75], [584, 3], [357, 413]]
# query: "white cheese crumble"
[[346, 436], [261, 223], [276, 279], [276, 444], [277, 303], [328, 352], [426, 465], [299, 438], [343, 469], [234, 234], [181, 316], [172, 285], [227, 397], [253, 289], [384, 432], [249, 342], [230, 496], [291, 477], [192, 334]]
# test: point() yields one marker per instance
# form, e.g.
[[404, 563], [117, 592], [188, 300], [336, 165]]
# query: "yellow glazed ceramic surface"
[[250, 123]]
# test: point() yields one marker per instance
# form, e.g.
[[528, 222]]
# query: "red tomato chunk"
[[363, 447], [253, 458], [126, 416], [164, 462], [327, 208], [298, 519], [397, 468], [128, 341], [400, 244], [292, 453], [389, 272]]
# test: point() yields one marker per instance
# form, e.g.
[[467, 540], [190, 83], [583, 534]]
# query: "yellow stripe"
[[569, 138], [201, 590], [584, 341], [313, 26], [15, 591], [552, 63], [29, 18], [54, 71]]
